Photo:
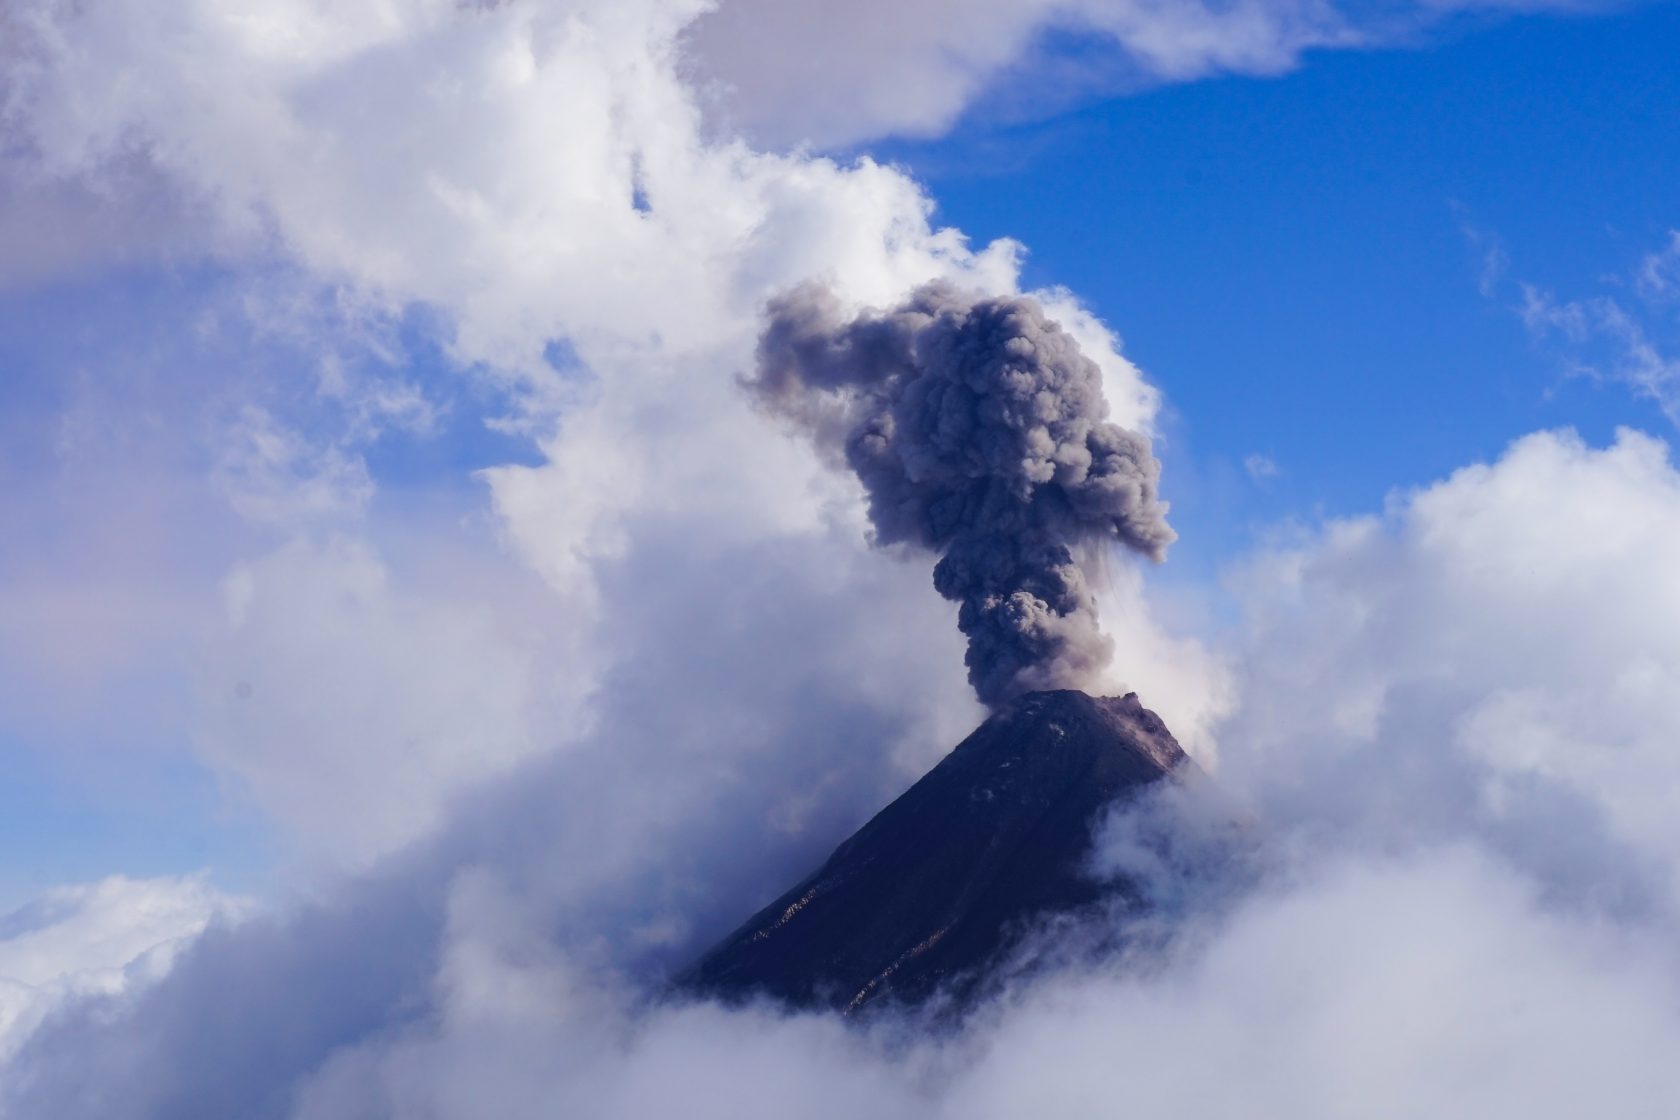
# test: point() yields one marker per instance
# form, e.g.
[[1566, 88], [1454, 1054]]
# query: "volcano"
[[945, 882]]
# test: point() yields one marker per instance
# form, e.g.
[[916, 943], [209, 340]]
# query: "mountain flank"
[[943, 883]]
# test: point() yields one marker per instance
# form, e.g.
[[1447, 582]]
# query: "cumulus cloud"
[[1397, 988], [570, 581], [498, 158], [1348, 1030], [351, 701], [1494, 655], [1188, 680], [499, 152], [185, 494], [1448, 759], [108, 938]]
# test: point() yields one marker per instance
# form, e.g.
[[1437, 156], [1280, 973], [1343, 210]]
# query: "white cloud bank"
[[536, 180], [1453, 743], [109, 938]]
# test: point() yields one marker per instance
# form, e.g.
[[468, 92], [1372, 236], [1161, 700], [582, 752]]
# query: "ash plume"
[[980, 433]]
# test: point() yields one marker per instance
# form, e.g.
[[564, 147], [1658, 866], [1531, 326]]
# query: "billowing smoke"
[[979, 431]]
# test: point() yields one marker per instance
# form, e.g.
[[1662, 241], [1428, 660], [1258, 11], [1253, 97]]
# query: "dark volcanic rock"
[[939, 884]]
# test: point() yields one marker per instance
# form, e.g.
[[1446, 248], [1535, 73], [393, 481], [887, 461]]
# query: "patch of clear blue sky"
[[65, 822], [1286, 256]]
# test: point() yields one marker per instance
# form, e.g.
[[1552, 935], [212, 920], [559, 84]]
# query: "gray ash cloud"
[[980, 433]]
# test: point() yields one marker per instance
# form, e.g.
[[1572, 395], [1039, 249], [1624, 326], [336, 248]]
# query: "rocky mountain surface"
[[944, 882]]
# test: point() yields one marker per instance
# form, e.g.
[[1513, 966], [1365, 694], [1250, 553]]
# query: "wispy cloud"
[[895, 69], [1616, 340], [1658, 276], [1261, 468], [1626, 334]]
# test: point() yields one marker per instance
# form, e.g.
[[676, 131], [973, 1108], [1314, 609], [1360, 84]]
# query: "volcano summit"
[[943, 883]]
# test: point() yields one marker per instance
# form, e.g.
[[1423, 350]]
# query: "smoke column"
[[980, 433]]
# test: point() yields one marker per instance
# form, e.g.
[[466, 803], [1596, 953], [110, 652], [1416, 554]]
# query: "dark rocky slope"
[[942, 882]]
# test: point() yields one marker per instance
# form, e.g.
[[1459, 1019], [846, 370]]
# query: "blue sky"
[[1291, 258]]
